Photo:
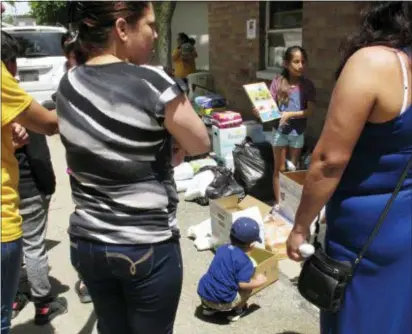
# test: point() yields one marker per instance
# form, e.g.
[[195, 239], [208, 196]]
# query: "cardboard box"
[[277, 232], [254, 130], [291, 186], [224, 211], [225, 140], [267, 264]]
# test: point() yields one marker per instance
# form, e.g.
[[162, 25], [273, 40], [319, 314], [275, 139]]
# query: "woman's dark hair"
[[282, 95], [94, 21], [10, 48], [80, 54], [183, 37], [192, 41], [65, 39], [386, 23], [69, 44]]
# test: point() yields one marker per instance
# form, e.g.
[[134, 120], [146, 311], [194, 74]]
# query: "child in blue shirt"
[[228, 283]]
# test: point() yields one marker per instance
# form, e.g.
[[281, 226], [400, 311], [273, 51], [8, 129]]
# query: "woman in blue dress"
[[364, 147]]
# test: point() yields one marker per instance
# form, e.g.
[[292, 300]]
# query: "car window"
[[38, 43]]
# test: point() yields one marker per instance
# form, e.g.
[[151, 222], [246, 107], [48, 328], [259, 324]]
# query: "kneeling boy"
[[228, 283]]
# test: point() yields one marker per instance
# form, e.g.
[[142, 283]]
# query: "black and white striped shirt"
[[119, 152]]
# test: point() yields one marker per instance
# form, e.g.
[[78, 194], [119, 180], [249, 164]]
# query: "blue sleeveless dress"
[[379, 298]]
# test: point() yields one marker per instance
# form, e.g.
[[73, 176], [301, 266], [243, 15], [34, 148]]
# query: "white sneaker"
[[237, 313]]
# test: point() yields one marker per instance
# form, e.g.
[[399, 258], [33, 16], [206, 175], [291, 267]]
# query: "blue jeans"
[[11, 256], [135, 288]]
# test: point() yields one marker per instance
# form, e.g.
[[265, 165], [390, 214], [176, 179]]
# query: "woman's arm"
[[38, 119], [19, 107], [186, 127], [351, 103]]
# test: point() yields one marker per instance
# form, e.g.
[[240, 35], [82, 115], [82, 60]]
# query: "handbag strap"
[[380, 221]]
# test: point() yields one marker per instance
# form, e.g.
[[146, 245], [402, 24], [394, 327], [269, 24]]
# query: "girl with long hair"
[[295, 95]]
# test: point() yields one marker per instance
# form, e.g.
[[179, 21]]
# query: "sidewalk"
[[279, 309]]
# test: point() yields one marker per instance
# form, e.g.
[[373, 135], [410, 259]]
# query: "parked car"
[[41, 62]]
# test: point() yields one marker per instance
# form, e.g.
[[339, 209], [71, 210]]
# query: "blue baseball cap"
[[246, 230]]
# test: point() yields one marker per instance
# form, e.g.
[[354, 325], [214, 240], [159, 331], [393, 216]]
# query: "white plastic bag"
[[182, 185], [199, 184], [201, 230], [205, 243], [183, 172]]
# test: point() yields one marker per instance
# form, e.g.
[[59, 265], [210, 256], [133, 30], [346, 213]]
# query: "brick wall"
[[234, 60], [325, 25]]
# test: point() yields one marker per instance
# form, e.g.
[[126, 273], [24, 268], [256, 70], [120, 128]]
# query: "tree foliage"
[[164, 13], [49, 12], [7, 19]]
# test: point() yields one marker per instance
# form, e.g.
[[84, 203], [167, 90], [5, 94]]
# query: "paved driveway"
[[276, 310]]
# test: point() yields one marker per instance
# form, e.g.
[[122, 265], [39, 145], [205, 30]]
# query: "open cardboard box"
[[224, 211], [291, 187], [277, 231], [267, 264]]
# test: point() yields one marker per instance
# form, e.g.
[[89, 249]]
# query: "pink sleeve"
[[274, 88]]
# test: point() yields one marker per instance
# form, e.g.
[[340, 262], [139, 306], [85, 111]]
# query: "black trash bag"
[[254, 165], [224, 184]]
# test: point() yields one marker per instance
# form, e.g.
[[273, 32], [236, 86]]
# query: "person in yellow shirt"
[[183, 63], [16, 107]]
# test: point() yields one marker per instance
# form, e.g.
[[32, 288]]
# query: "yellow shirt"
[[14, 100], [182, 69]]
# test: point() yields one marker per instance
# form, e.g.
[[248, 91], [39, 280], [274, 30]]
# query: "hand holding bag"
[[323, 280]]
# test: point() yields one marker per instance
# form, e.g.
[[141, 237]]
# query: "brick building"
[[235, 60]]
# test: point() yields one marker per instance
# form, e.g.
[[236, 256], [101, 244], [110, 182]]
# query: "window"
[[283, 29], [38, 43]]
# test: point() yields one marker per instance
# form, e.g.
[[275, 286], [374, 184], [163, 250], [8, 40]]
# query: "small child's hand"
[[261, 278], [20, 135]]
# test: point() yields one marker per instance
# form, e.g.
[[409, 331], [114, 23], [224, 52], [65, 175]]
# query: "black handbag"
[[323, 280]]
